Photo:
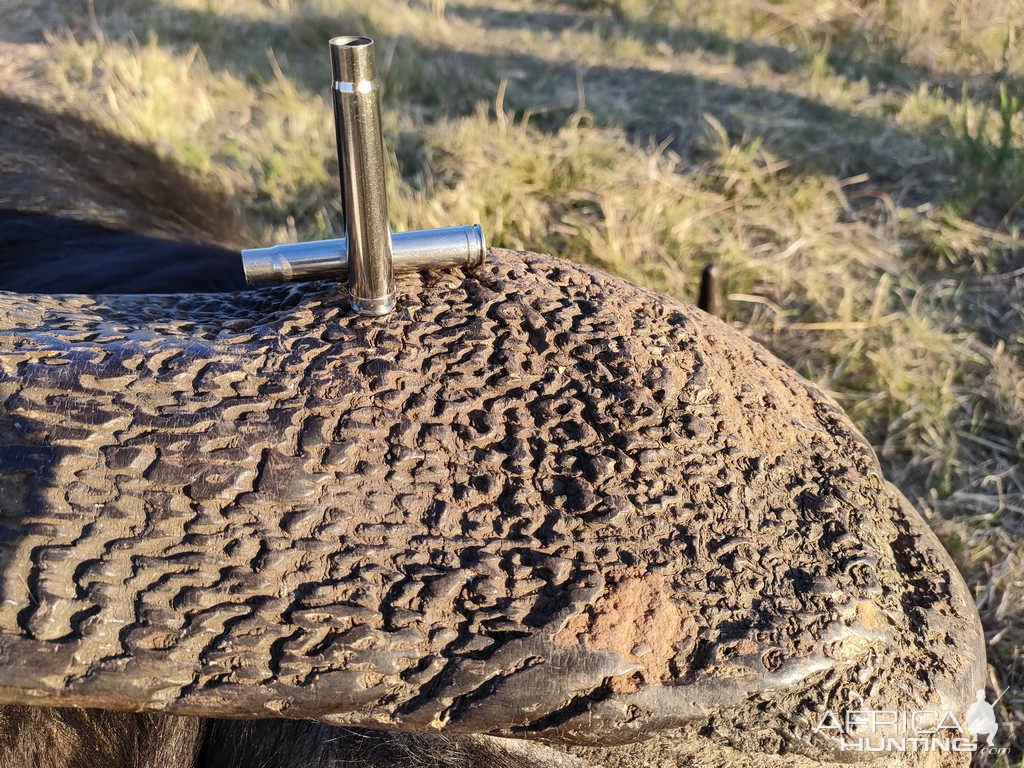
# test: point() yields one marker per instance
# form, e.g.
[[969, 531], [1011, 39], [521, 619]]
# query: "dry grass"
[[857, 168]]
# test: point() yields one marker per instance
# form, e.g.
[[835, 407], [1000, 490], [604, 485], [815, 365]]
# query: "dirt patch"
[[636, 618]]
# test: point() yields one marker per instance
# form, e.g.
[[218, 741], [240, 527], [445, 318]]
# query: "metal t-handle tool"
[[368, 255]]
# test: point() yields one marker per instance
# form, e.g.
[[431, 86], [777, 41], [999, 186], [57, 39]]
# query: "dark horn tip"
[[709, 299]]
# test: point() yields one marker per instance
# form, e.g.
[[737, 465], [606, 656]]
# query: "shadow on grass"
[[62, 164], [884, 69], [430, 82]]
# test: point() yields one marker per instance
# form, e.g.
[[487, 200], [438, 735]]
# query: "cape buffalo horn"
[[541, 503], [709, 298]]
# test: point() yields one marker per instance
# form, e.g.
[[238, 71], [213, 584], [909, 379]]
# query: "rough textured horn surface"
[[536, 501]]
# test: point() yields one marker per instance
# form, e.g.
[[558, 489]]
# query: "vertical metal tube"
[[371, 279]]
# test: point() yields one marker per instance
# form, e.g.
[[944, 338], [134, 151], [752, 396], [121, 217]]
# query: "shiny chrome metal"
[[369, 255], [328, 259], [371, 279]]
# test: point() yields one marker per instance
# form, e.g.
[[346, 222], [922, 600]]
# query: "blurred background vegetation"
[[856, 168]]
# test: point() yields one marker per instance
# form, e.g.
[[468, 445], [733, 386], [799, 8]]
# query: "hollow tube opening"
[[351, 41]]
